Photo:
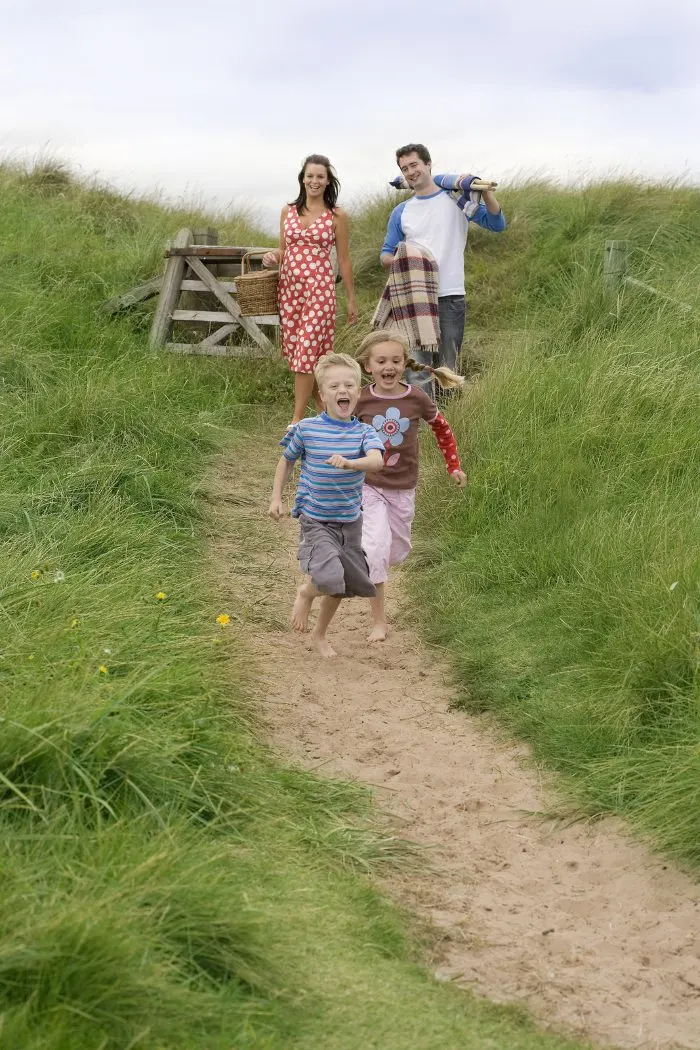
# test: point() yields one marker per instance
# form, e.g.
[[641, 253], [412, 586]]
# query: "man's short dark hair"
[[413, 147]]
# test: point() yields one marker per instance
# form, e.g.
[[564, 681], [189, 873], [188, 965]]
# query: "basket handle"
[[246, 257]]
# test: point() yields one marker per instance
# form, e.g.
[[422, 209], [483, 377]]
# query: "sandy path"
[[587, 928]]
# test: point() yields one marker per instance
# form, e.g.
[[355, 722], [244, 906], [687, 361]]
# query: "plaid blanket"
[[458, 187], [409, 302]]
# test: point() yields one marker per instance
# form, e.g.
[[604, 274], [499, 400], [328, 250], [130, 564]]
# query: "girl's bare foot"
[[302, 607], [378, 633], [324, 648], [379, 626]]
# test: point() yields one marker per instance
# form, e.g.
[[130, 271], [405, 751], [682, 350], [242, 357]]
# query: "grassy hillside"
[[165, 885], [568, 585]]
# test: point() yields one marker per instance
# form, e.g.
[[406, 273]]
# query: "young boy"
[[336, 449]]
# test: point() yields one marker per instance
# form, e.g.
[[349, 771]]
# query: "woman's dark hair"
[[330, 194]]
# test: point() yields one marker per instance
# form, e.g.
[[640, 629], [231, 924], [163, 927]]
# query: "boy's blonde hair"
[[335, 361], [447, 379]]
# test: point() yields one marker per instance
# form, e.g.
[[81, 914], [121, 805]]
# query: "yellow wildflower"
[[36, 574], [223, 620], [161, 596], [103, 669], [75, 622]]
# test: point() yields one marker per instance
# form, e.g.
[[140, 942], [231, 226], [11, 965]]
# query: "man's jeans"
[[452, 310]]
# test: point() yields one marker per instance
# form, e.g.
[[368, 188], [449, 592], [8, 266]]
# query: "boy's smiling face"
[[339, 392]]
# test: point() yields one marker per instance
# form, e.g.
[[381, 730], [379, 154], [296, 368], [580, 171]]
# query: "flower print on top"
[[396, 419], [392, 426]]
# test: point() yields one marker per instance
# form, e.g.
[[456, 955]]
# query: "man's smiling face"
[[339, 392], [416, 173]]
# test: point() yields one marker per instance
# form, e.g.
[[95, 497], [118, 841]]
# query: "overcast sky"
[[220, 101]]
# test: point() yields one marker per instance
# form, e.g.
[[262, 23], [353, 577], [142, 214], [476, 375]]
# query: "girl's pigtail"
[[447, 379], [417, 366]]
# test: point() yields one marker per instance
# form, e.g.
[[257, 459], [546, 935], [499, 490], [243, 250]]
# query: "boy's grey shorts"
[[330, 552]]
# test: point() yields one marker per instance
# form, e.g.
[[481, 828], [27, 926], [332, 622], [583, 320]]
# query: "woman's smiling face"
[[315, 180]]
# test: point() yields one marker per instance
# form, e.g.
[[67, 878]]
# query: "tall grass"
[[568, 583], [164, 883]]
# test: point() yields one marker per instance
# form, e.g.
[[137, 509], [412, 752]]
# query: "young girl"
[[394, 409], [309, 228]]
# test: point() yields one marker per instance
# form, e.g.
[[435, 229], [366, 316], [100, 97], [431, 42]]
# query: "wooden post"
[[615, 265], [199, 300], [170, 291], [208, 236]]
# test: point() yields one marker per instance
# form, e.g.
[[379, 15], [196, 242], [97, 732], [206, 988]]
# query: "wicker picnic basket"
[[257, 292]]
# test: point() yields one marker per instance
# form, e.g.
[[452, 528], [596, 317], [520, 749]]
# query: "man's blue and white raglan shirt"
[[436, 222], [326, 493]]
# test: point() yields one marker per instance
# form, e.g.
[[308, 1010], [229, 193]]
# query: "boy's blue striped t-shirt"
[[325, 492]]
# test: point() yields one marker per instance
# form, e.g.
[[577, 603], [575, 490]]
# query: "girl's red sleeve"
[[446, 441]]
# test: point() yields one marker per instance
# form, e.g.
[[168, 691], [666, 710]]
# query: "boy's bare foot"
[[378, 633], [324, 648], [302, 607]]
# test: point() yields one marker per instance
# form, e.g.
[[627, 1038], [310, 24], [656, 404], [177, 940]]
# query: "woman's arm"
[[275, 257], [342, 244]]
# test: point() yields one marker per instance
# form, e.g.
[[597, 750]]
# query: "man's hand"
[[276, 510], [459, 478], [489, 199]]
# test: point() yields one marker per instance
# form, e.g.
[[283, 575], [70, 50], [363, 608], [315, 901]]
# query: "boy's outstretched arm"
[[282, 475], [372, 461]]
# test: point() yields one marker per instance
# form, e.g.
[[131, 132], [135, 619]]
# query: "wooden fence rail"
[[616, 277]]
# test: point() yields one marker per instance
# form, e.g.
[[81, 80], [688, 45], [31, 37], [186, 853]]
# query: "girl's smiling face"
[[386, 365]]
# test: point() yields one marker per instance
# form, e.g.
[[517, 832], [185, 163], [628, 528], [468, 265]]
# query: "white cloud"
[[222, 101]]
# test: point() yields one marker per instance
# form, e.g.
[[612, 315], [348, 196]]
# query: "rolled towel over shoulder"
[[465, 190], [468, 183]]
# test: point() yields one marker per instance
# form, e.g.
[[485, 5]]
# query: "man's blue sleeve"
[[394, 230], [483, 217]]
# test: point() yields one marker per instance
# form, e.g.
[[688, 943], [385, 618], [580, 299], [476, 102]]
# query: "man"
[[433, 220]]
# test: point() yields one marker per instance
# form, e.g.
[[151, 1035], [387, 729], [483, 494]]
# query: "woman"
[[309, 228]]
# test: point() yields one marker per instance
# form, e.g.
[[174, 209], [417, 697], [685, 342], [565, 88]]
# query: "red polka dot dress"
[[307, 290]]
